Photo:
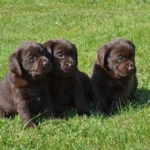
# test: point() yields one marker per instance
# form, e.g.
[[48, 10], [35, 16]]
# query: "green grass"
[[88, 24]]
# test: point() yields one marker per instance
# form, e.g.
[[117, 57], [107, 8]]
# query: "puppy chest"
[[32, 94], [62, 94]]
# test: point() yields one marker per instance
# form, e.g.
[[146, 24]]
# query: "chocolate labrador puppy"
[[65, 78], [114, 75], [24, 90]]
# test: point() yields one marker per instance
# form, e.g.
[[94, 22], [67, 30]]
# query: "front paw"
[[30, 124]]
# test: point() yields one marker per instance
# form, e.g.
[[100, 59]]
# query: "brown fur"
[[113, 79], [66, 85], [24, 90]]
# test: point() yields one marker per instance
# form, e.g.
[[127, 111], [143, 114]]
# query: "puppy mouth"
[[131, 72], [68, 70], [65, 72], [127, 73], [40, 73]]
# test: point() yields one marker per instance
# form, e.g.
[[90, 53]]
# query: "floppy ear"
[[14, 65], [102, 55], [131, 44], [49, 46]]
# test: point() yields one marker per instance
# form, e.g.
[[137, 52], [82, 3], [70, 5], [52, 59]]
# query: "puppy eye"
[[121, 58], [60, 55], [32, 58]]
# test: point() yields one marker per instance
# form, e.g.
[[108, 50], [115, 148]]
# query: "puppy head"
[[64, 57], [30, 61], [117, 58]]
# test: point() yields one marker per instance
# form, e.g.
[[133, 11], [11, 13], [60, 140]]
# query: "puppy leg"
[[100, 100], [24, 113], [101, 104], [60, 110], [82, 107], [47, 105], [80, 102], [132, 98], [48, 109], [116, 105], [133, 86]]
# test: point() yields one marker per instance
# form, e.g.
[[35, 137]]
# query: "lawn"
[[88, 24]]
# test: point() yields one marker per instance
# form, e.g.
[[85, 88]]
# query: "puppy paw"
[[30, 125], [84, 112]]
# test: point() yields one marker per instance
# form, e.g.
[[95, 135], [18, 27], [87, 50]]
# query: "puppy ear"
[[49, 46], [131, 44], [14, 65], [102, 55]]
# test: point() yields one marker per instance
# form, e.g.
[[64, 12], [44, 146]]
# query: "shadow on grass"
[[142, 95]]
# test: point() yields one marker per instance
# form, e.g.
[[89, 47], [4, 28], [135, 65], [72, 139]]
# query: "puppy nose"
[[131, 67], [44, 62], [70, 64]]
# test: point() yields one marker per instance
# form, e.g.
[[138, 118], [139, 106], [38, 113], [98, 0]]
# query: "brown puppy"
[[113, 79], [65, 86], [24, 90]]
